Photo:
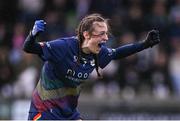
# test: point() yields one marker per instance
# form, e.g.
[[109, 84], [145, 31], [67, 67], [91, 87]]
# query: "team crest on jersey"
[[92, 62], [84, 61]]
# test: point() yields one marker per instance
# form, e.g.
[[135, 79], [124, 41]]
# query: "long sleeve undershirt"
[[31, 46], [128, 49]]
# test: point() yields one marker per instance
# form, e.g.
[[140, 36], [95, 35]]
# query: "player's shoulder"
[[103, 49], [106, 50], [67, 40], [63, 41], [72, 42]]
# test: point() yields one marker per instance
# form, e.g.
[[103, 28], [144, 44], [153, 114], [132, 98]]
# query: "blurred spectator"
[[118, 27], [2, 33], [104, 7], [8, 11], [18, 36], [25, 83], [109, 85], [134, 19], [174, 40], [162, 85], [158, 18], [27, 76], [175, 69], [127, 74], [30, 10], [174, 16], [6, 68], [145, 65], [59, 5], [82, 8], [54, 18], [17, 42]]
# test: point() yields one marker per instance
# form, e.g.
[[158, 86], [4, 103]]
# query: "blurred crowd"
[[153, 71]]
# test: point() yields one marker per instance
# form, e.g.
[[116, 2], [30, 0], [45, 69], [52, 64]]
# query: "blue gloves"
[[152, 39], [39, 26]]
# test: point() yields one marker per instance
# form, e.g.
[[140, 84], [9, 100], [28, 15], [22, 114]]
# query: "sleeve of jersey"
[[105, 56], [127, 50], [54, 50], [108, 54]]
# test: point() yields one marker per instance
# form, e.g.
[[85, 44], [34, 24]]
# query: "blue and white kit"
[[58, 89]]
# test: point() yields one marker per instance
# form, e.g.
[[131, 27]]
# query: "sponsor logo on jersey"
[[80, 75], [92, 62]]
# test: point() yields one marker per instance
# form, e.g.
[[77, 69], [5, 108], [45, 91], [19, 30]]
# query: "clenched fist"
[[152, 38]]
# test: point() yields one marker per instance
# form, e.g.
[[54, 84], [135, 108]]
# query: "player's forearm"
[[31, 46], [128, 49]]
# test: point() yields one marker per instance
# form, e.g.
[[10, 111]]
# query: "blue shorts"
[[54, 114]]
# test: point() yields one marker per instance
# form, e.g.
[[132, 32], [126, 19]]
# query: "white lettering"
[[69, 71], [85, 75], [80, 75]]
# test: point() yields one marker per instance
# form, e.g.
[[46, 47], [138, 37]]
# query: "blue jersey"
[[59, 86], [58, 89]]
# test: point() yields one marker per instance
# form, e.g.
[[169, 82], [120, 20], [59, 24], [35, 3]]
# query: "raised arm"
[[129, 49], [30, 45]]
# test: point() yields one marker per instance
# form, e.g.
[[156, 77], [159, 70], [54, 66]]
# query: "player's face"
[[99, 35]]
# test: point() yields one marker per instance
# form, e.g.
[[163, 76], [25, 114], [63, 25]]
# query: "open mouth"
[[101, 43]]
